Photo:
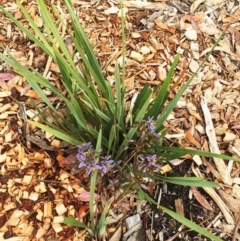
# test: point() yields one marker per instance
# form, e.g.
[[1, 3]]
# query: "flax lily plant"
[[96, 114]]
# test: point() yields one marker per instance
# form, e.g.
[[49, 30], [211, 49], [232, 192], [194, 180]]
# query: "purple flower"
[[91, 166], [143, 186], [84, 147], [152, 160], [82, 164], [105, 165], [150, 126], [81, 157]]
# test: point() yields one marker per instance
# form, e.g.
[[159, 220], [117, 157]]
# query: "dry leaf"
[[85, 196], [25, 90], [117, 235], [201, 199], [195, 5], [129, 83], [191, 138], [176, 162], [31, 93], [237, 127], [4, 77], [198, 18], [233, 18], [165, 26], [66, 161], [209, 29], [236, 191], [83, 210], [229, 137]]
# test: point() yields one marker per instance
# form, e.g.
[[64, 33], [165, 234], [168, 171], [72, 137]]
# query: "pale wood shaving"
[[220, 165], [216, 198]]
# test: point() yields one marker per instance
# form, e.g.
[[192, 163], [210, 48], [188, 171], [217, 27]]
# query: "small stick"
[[235, 231]]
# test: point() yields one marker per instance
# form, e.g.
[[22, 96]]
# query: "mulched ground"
[[36, 190]]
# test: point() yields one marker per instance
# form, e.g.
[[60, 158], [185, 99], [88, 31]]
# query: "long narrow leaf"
[[186, 181], [159, 101], [58, 133], [53, 30], [184, 151], [183, 220], [92, 62]]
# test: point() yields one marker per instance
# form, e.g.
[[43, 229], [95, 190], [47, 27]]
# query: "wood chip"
[[222, 168]]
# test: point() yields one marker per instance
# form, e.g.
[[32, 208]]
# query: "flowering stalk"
[[87, 159]]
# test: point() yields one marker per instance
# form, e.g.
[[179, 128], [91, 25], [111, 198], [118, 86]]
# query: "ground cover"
[[37, 189]]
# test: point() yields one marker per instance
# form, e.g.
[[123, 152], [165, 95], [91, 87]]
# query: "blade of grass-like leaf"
[[53, 30], [97, 75], [83, 78], [97, 112], [58, 133], [159, 101], [93, 181], [187, 181], [184, 151], [145, 92], [183, 220], [99, 141], [139, 115], [74, 222], [82, 43], [123, 43], [102, 222], [118, 94], [112, 138], [73, 105], [64, 69], [120, 113], [88, 90], [32, 78], [138, 118], [92, 199], [190, 224]]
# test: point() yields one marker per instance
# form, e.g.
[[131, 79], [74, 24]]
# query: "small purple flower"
[[84, 147], [143, 186], [152, 160], [82, 164], [105, 165], [150, 126], [91, 166], [81, 157]]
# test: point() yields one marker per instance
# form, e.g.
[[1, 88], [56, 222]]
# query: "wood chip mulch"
[[37, 191]]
